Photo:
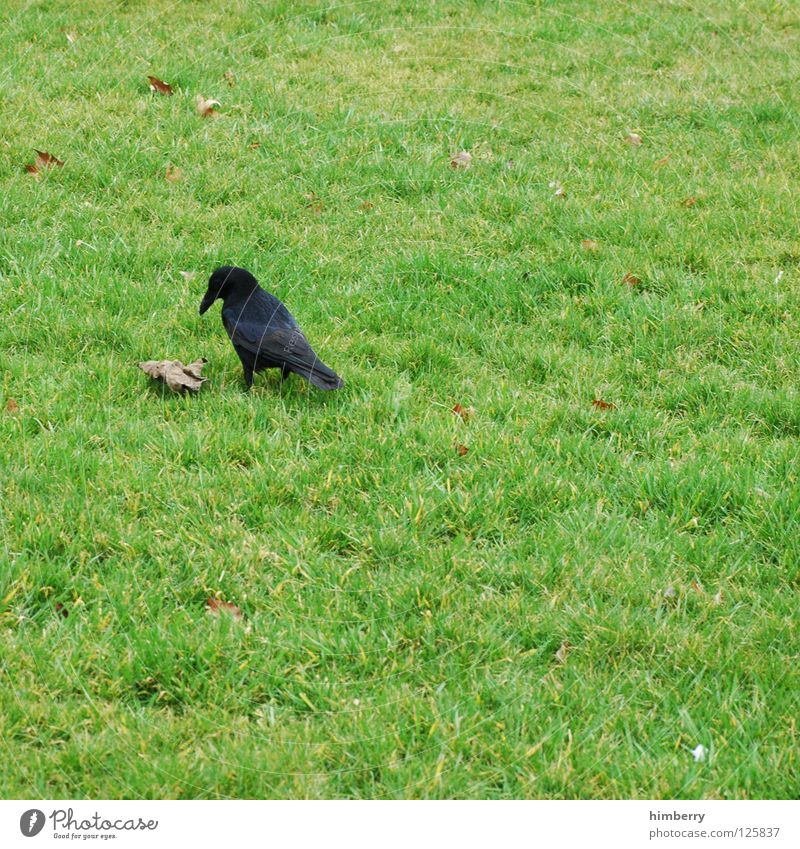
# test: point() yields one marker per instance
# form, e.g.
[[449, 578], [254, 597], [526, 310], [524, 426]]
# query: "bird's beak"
[[207, 301]]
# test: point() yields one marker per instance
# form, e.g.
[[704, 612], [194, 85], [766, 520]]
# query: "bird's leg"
[[248, 376], [285, 372]]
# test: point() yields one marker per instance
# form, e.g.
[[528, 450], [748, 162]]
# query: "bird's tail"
[[320, 376]]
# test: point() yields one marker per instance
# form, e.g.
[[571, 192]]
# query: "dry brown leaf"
[[175, 374], [563, 651], [314, 204], [466, 413], [366, 206], [463, 159], [12, 406], [633, 139], [230, 78], [631, 279], [159, 85], [696, 587], [60, 609], [590, 244], [216, 606], [603, 405], [660, 163], [462, 450], [689, 202], [255, 145], [173, 174], [43, 160], [205, 106]]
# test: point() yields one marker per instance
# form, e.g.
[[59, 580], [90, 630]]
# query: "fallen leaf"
[[43, 160], [230, 78], [633, 139], [255, 145], [589, 244], [173, 174], [563, 651], [466, 413], [175, 374], [61, 609], [216, 606], [366, 206], [660, 163], [462, 450], [689, 202], [632, 279], [670, 592], [12, 406], [188, 276], [205, 106], [314, 204], [461, 160], [699, 753], [696, 587], [603, 405], [159, 85], [718, 598]]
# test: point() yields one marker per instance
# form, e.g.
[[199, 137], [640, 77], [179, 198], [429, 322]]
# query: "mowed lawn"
[[569, 608]]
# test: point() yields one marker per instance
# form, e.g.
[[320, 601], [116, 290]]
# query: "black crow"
[[263, 332]]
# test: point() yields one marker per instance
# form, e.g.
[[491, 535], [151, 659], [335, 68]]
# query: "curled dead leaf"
[[631, 279], [689, 202], [217, 606], [563, 651], [590, 244], [466, 413], [314, 204], [603, 405], [633, 139], [159, 86], [61, 610], [463, 159], [462, 450], [696, 587], [43, 160], [173, 174], [660, 163], [205, 106], [12, 407], [366, 206], [175, 374]]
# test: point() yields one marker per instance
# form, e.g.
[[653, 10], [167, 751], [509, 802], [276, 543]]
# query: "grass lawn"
[[403, 603]]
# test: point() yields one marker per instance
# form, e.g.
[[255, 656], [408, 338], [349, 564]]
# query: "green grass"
[[403, 604]]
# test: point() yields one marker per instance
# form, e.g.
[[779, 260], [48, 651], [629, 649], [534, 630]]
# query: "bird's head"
[[226, 280]]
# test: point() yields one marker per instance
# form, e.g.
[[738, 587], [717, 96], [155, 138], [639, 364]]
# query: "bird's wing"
[[276, 344]]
